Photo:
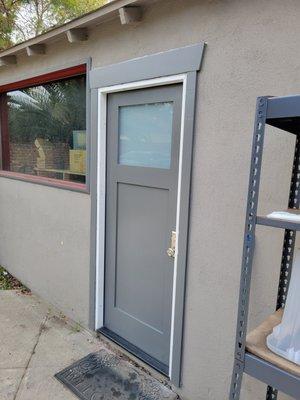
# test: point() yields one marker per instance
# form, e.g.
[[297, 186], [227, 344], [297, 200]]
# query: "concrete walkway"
[[35, 343]]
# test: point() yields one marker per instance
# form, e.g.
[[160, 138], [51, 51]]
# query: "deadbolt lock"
[[172, 250]]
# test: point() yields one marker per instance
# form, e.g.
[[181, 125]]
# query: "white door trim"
[[101, 192]]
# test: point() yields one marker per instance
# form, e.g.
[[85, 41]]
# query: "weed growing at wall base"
[[8, 282]]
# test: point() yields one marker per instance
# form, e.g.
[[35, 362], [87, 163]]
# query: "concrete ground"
[[35, 343]]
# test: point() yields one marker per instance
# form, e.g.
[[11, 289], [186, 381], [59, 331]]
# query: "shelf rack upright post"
[[283, 113]]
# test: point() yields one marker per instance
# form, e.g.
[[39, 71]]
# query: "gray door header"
[[171, 62]]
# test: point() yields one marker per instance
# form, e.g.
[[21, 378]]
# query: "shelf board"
[[263, 364], [272, 376], [284, 113], [279, 223]]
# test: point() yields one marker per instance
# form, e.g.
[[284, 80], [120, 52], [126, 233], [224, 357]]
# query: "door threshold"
[[146, 358]]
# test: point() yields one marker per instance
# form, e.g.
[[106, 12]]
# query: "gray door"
[[143, 137]]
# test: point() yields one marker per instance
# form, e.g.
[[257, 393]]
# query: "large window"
[[43, 129]]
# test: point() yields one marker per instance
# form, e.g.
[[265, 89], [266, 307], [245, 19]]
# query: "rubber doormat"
[[105, 375]]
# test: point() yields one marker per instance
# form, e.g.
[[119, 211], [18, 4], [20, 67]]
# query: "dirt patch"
[[9, 282]]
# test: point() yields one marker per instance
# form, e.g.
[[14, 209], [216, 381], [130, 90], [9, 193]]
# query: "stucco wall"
[[252, 50], [44, 241]]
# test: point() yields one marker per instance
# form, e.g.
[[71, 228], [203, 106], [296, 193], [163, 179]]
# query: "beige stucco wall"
[[252, 50], [44, 241]]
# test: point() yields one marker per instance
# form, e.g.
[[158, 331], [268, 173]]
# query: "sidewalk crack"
[[41, 329]]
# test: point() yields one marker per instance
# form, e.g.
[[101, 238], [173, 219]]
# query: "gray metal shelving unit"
[[283, 113]]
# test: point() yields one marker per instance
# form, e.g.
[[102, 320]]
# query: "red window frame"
[[34, 81]]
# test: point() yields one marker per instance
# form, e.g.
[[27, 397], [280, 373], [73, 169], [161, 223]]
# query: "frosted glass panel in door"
[[145, 135]]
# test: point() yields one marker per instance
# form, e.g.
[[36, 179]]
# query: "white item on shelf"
[[284, 215], [285, 338]]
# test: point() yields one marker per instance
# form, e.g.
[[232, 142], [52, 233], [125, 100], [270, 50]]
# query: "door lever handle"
[[172, 250]]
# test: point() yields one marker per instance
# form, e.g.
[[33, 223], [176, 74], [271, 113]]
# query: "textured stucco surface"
[[252, 50], [44, 241]]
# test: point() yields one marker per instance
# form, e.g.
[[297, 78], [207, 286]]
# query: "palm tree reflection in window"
[[43, 120]]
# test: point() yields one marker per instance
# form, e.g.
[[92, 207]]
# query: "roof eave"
[[108, 12]]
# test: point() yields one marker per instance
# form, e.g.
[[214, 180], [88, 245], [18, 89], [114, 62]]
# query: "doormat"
[[105, 375]]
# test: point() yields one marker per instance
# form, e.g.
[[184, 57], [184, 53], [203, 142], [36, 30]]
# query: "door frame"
[[100, 92]]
